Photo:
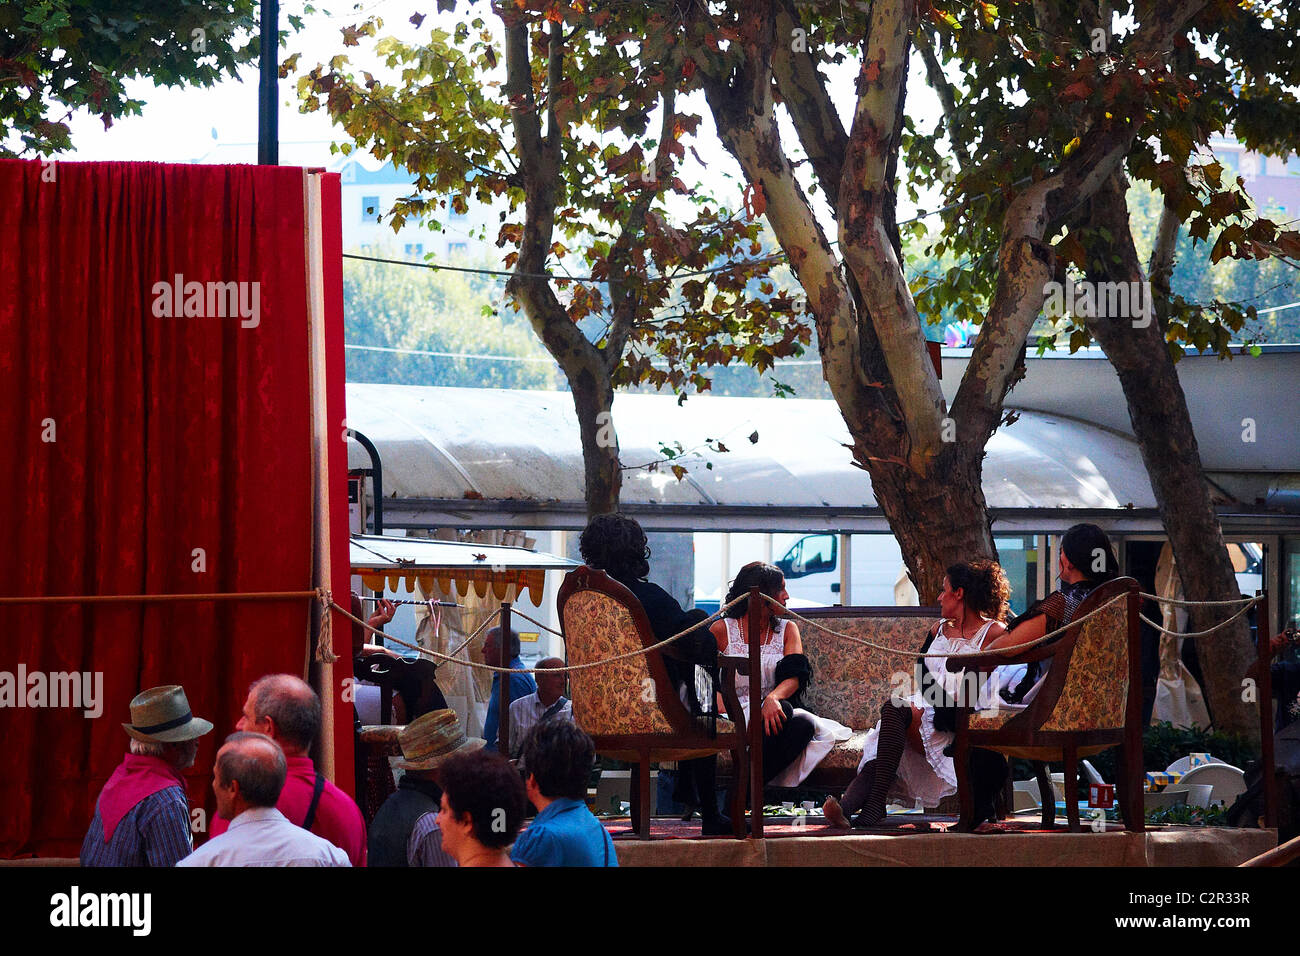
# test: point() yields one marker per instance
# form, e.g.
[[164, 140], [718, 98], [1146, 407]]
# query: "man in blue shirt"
[[559, 757], [521, 685]]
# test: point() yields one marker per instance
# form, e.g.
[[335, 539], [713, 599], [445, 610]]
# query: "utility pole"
[[268, 125]]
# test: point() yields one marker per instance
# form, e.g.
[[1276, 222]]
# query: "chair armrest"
[[739, 665], [727, 678]]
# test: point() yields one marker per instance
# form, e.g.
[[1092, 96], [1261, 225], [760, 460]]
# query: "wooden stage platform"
[[675, 844]]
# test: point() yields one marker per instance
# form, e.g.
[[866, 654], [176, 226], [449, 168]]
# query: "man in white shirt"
[[247, 778], [546, 702]]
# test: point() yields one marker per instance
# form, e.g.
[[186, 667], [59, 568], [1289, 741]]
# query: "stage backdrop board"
[[153, 445]]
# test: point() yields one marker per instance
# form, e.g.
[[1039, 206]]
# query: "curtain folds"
[[153, 445]]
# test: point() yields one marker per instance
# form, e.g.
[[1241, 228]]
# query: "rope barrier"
[[518, 613], [1216, 627], [911, 652], [162, 598], [1175, 601], [552, 670]]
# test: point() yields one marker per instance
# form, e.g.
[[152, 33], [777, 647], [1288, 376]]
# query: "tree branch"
[[803, 90]]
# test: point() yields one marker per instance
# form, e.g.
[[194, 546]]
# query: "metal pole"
[[755, 718], [268, 126], [503, 695], [1264, 699]]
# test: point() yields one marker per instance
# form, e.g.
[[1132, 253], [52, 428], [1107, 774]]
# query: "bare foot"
[[834, 814]]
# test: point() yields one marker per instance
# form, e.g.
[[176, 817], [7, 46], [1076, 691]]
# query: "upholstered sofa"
[[850, 682]]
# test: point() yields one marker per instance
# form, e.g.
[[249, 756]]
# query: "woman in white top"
[[794, 740], [903, 756]]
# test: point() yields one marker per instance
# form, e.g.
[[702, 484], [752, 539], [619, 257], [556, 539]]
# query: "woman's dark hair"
[[560, 757], [615, 544], [1090, 552], [984, 585], [485, 786], [767, 578]]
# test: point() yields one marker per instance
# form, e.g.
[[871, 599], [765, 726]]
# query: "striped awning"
[[391, 562]]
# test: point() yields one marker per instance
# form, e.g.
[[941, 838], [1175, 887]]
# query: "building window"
[[370, 209], [456, 248], [415, 249]]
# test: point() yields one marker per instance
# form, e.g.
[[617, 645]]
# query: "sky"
[[184, 125]]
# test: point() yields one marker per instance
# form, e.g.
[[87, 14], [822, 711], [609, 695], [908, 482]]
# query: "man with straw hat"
[[142, 816], [405, 830]]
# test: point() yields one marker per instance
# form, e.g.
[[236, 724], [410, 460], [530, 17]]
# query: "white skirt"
[[928, 777]]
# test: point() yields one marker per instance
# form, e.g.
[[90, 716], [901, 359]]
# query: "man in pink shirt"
[[287, 710]]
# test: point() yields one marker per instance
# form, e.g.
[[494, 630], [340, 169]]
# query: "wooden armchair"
[[630, 708], [1091, 700]]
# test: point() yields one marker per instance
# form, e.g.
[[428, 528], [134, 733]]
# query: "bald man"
[[286, 709], [546, 702], [247, 778]]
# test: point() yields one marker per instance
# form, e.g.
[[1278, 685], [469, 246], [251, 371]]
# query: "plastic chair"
[[1090, 772], [1163, 799], [1228, 782], [1184, 764]]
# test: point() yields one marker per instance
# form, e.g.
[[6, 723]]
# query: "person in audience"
[[405, 830], [142, 816], [521, 685], [247, 778], [546, 702], [483, 804], [286, 709], [794, 739], [415, 681], [905, 756], [559, 758], [615, 544]]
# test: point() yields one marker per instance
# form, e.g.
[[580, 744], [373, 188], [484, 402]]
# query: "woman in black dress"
[[615, 544]]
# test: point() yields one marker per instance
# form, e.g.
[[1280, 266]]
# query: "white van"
[[812, 569]]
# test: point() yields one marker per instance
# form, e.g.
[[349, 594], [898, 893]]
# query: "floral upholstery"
[[991, 720], [609, 699], [849, 681], [1096, 687]]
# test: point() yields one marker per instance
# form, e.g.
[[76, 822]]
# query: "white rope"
[[1221, 624], [1178, 603], [1009, 651], [550, 670], [518, 613]]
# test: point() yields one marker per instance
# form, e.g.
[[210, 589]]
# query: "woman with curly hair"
[[483, 803], [904, 755]]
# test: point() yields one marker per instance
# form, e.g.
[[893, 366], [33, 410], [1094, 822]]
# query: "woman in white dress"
[[794, 739], [903, 756]]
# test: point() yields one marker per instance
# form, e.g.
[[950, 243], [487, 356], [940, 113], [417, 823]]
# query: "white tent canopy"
[[522, 446]]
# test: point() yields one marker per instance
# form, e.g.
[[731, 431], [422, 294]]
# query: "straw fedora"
[[431, 738], [162, 715]]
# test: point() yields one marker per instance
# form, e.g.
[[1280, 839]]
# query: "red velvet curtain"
[[147, 453]]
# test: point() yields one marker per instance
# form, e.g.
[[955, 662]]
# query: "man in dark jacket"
[[426, 742]]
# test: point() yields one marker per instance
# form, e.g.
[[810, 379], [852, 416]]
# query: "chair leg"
[[1129, 797], [1072, 787], [740, 772], [643, 789], [1046, 795], [965, 796]]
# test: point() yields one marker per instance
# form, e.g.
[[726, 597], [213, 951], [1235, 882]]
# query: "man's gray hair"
[[291, 704], [146, 748], [257, 762]]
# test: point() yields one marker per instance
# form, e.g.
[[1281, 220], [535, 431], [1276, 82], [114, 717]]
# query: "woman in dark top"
[[1087, 560], [615, 544]]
